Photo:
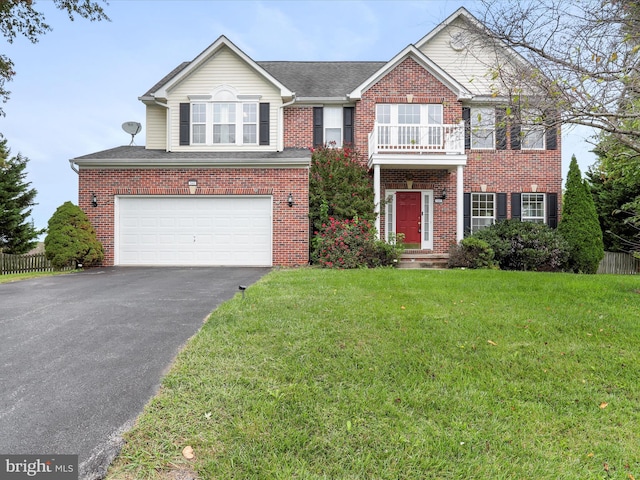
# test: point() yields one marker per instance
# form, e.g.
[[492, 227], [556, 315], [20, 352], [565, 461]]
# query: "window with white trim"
[[483, 210], [532, 131], [333, 126], [383, 120], [249, 123], [533, 207], [224, 118], [483, 128], [199, 123], [409, 124], [224, 122]]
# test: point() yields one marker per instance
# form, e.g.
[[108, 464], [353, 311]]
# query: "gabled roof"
[[327, 80], [185, 69], [422, 59], [461, 12]]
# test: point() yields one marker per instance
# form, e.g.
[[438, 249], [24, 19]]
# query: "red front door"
[[408, 217]]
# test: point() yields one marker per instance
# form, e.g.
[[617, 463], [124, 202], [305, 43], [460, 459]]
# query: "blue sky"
[[77, 85]]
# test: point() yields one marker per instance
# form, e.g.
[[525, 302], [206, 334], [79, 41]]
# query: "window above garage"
[[224, 118]]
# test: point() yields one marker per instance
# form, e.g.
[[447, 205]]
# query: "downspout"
[[280, 144], [71, 164]]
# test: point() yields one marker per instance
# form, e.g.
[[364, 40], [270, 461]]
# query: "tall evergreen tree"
[[579, 225], [17, 233], [612, 197]]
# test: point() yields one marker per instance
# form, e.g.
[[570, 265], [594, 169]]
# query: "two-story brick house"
[[223, 177]]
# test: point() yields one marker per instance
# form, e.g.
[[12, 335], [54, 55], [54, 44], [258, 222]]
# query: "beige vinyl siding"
[[224, 68], [156, 127], [470, 66]]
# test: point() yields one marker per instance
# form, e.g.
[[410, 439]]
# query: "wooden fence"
[[24, 263], [620, 263]]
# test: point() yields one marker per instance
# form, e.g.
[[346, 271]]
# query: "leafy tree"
[[17, 234], [71, 238], [583, 58], [579, 225], [340, 187], [612, 198], [19, 17]]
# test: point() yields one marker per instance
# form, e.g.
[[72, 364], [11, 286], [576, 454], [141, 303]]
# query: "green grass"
[[396, 374], [14, 277]]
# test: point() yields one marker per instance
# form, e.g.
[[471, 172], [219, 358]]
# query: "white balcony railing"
[[387, 138]]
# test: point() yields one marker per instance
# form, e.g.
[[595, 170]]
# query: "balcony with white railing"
[[417, 139]]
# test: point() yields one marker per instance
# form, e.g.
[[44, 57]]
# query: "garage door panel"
[[194, 231]]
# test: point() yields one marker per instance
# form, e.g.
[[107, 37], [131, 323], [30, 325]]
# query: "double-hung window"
[[229, 120], [224, 122], [199, 123], [483, 128], [249, 123], [532, 131], [333, 126], [483, 210], [533, 207]]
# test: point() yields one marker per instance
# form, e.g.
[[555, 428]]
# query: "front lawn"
[[404, 374]]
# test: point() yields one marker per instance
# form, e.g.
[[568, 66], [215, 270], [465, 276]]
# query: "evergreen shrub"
[[71, 239], [521, 245]]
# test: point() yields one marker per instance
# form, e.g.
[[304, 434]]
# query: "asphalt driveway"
[[82, 353]]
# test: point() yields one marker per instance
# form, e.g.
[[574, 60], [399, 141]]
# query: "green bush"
[[340, 187], [71, 239], [580, 226], [471, 252], [353, 244], [525, 245]]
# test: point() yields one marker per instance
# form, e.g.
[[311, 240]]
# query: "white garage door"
[[193, 231]]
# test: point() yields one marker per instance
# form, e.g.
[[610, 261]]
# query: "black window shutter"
[[318, 127], [185, 112], [516, 129], [501, 129], [466, 202], [501, 214], [466, 118], [264, 124], [551, 132], [347, 120], [552, 210], [516, 141], [516, 207]]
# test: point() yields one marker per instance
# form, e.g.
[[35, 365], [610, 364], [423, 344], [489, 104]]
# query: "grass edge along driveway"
[[404, 374]]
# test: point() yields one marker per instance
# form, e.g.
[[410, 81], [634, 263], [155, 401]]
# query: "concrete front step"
[[418, 259]]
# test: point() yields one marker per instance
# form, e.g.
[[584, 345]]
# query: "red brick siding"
[[502, 171], [290, 224], [408, 78], [298, 127]]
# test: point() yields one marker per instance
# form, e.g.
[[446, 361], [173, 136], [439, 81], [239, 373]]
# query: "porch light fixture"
[[94, 200], [290, 200], [444, 194], [193, 184]]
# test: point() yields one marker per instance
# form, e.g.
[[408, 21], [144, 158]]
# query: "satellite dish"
[[132, 128]]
